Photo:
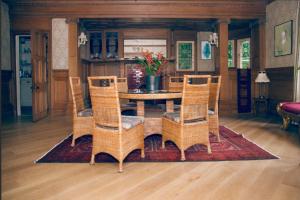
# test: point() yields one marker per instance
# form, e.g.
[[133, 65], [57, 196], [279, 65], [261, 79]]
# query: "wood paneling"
[[145, 33], [29, 23], [60, 92], [281, 86], [7, 100], [141, 9]]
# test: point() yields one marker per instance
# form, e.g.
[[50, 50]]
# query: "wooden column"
[[74, 70], [222, 69], [72, 53]]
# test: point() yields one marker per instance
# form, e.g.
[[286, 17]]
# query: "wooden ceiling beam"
[[246, 9]]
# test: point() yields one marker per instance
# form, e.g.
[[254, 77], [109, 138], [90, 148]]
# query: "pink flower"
[[160, 56]]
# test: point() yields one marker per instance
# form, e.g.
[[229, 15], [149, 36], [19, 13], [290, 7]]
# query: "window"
[[135, 47], [231, 54], [244, 53]]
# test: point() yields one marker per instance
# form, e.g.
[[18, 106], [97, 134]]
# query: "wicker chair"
[[190, 125], [175, 84], [82, 117], [112, 133], [123, 87], [213, 112]]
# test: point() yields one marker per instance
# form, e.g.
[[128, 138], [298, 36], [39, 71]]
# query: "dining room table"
[[153, 124]]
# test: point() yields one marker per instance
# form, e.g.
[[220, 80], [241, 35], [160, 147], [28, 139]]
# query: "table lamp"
[[261, 79]]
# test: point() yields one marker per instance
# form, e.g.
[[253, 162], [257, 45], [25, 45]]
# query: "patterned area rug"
[[233, 146]]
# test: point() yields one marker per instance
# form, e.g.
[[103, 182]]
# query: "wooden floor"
[[23, 142]]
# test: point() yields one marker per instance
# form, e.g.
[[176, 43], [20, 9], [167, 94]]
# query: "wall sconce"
[[82, 39], [213, 39]]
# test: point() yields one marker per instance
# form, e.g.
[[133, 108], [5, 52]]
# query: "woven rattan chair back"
[[77, 96], [214, 93], [195, 98], [105, 101], [175, 84], [122, 85]]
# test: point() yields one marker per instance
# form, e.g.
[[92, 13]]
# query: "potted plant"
[[152, 64]]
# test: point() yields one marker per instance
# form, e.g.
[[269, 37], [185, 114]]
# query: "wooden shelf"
[[108, 60], [126, 60]]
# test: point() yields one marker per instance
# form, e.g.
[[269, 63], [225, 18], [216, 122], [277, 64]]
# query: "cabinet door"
[[112, 44], [244, 90], [96, 45]]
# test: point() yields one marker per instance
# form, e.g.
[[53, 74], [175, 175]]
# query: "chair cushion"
[[129, 122], [88, 112], [129, 104], [211, 112], [174, 116]]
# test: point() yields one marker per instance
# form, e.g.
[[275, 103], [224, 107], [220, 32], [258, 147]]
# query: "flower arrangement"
[[152, 62]]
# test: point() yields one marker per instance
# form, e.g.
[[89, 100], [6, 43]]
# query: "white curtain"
[[297, 57]]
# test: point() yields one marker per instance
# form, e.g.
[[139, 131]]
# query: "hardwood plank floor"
[[23, 142]]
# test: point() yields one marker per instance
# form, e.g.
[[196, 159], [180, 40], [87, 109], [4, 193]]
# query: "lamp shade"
[[262, 77]]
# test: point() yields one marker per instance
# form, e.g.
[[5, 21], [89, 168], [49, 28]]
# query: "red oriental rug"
[[233, 146]]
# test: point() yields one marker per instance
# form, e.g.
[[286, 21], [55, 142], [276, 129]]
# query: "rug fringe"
[[52, 148]]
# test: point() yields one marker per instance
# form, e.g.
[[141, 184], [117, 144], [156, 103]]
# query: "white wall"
[[5, 38], [279, 12], [60, 43], [204, 65]]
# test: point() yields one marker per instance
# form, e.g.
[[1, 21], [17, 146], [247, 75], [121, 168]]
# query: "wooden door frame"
[[13, 59]]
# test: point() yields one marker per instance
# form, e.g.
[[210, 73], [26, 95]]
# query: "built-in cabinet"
[[103, 45]]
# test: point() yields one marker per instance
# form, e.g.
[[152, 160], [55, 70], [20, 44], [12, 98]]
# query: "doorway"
[[32, 85], [24, 75]]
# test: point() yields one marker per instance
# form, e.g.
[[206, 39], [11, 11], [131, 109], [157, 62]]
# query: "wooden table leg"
[[140, 108], [170, 105]]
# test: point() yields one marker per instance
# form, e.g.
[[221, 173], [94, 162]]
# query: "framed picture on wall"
[[283, 39], [185, 55], [205, 50]]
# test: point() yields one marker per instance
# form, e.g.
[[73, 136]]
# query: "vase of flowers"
[[153, 64]]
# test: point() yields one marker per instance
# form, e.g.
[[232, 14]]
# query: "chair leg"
[[286, 121], [163, 143], [120, 166], [73, 142], [208, 148], [218, 137], [142, 152], [92, 162], [182, 155]]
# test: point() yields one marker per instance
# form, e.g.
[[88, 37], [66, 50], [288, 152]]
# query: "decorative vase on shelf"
[[152, 64]]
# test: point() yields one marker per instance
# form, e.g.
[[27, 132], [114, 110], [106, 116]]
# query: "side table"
[[261, 105]]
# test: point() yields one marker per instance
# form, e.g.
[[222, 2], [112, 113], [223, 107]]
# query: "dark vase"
[[152, 82]]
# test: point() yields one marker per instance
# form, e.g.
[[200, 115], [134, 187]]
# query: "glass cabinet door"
[[111, 44], [96, 45]]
